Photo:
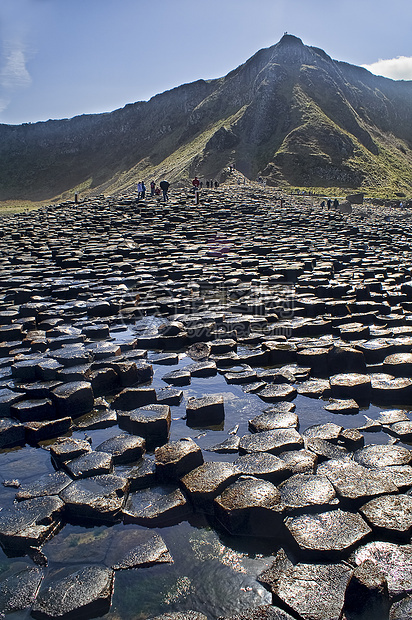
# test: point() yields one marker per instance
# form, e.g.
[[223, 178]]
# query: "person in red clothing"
[[196, 183]]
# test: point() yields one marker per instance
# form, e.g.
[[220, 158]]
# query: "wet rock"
[[96, 419], [348, 406], [206, 411], [262, 612], [382, 456], [207, 481], [267, 421], [390, 515], [169, 396], [308, 491], [352, 481], [263, 465], [90, 464], [352, 386], [12, 433], [39, 431], [401, 430], [180, 615], [99, 498], [275, 441], [328, 534], [392, 416], [103, 381], [152, 550], [130, 373], [123, 448], [132, 398], [30, 522], [202, 369], [73, 399], [352, 439], [343, 360], [402, 609], [151, 422], [366, 596], [228, 446], [177, 458], [314, 388], [67, 449], [30, 410], [300, 461], [399, 475], [245, 376], [156, 507], [49, 484], [178, 377], [250, 507], [90, 587], [277, 392], [394, 561], [18, 590], [329, 431], [313, 591], [325, 449], [396, 391], [8, 398], [398, 364], [141, 475]]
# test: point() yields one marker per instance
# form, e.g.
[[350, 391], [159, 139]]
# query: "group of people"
[[154, 191], [196, 184]]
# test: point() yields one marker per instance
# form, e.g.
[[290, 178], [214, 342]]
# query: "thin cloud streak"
[[399, 68], [14, 75]]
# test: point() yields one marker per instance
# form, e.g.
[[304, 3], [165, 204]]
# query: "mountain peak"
[[290, 39]]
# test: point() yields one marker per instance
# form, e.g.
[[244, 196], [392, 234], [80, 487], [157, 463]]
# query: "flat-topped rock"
[[99, 498], [156, 506], [18, 591], [314, 591], [308, 491], [390, 515], [263, 465], [393, 560], [329, 534], [351, 386], [90, 587], [207, 481], [382, 456], [353, 481], [67, 449], [30, 522], [268, 421], [274, 441], [206, 411], [151, 550], [123, 448], [300, 461], [250, 507], [177, 458]]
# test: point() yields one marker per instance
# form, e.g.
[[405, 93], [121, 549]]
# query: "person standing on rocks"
[[164, 186], [139, 190], [143, 190], [152, 188]]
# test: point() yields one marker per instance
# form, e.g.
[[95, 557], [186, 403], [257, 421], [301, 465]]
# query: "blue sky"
[[61, 58]]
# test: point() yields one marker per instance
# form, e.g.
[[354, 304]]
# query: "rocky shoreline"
[[112, 310]]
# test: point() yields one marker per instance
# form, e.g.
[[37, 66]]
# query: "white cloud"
[[399, 68], [14, 74]]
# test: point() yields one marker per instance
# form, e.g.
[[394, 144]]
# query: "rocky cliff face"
[[290, 114]]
